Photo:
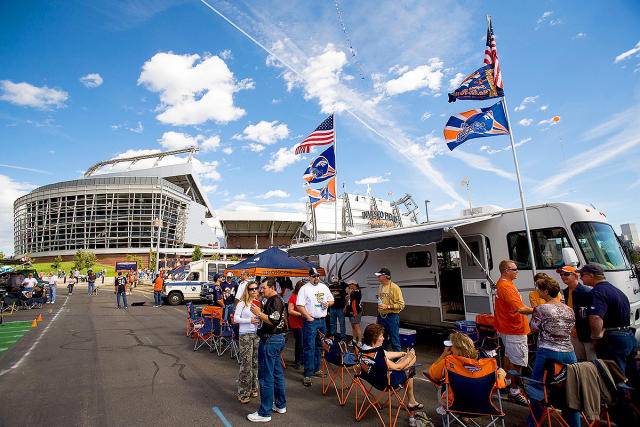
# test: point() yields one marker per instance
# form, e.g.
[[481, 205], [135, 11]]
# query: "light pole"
[[426, 208], [159, 225]]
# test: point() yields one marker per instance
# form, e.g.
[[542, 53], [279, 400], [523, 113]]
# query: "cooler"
[[408, 337], [467, 327]]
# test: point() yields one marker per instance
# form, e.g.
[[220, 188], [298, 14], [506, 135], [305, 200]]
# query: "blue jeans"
[[270, 374], [52, 294], [620, 346], [297, 336], [336, 314], [157, 298], [312, 345], [391, 325], [124, 299], [227, 310], [91, 286], [535, 392]]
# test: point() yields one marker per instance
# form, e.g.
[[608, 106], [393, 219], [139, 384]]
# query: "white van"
[[188, 284], [442, 283]]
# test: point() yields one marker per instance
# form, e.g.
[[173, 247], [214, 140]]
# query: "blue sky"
[[81, 83]]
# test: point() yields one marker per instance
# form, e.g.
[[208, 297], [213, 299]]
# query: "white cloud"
[[480, 162], [192, 94], [549, 122], [446, 207], [275, 101], [484, 147], [225, 54], [176, 140], [282, 158], [508, 147], [256, 148], [526, 122], [209, 188], [91, 80], [371, 180], [544, 107], [265, 132], [227, 150], [398, 70], [627, 54], [137, 129], [429, 75], [207, 170], [580, 36], [27, 95], [10, 190], [426, 115], [273, 193], [544, 16], [455, 82], [525, 101], [240, 196]]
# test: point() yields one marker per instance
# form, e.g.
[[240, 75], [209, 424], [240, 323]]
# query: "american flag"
[[491, 57], [323, 135]]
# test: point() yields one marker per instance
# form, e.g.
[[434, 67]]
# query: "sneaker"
[[244, 400], [254, 394], [518, 398], [274, 408], [254, 417], [440, 410], [317, 374], [155, 306], [307, 382]]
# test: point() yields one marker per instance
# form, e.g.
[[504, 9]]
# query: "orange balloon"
[[556, 119]]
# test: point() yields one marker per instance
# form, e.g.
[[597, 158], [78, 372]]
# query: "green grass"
[[46, 267], [11, 332]]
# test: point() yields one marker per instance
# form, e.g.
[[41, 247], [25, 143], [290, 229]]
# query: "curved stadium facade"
[[113, 214]]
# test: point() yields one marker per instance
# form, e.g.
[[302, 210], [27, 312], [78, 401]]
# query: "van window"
[[211, 271], [194, 277], [599, 245], [418, 259], [547, 247]]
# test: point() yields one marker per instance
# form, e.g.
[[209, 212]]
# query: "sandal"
[[415, 407]]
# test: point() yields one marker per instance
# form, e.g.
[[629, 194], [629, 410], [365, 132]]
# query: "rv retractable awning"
[[399, 238]]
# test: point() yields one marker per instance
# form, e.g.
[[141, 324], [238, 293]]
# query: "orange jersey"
[[157, 285], [508, 300]]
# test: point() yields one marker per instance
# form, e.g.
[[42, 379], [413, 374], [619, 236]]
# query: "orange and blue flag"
[[478, 123], [327, 194], [322, 167], [478, 85]]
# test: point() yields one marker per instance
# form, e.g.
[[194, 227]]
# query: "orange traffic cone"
[[40, 318], [34, 323]]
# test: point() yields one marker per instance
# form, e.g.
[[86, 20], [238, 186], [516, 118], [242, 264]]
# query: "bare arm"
[[292, 310], [304, 313], [597, 326], [403, 363]]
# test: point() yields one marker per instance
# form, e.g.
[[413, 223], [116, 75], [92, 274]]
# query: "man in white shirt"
[[314, 299], [244, 279], [29, 283], [53, 282]]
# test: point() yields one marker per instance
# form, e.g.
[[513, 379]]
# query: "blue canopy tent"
[[274, 262]]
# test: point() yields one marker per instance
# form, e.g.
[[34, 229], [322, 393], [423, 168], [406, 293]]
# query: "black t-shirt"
[[338, 290], [275, 309], [354, 308]]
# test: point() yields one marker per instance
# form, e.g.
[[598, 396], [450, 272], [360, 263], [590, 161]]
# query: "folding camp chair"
[[467, 388], [488, 342], [336, 361], [372, 367], [204, 334], [233, 343], [222, 332], [192, 318]]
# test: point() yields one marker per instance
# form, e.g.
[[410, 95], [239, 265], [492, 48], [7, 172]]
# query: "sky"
[[246, 81]]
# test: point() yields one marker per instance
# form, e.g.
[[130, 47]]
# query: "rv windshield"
[[599, 245]]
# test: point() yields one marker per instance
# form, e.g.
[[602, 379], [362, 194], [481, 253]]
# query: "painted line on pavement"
[[219, 414], [24, 356]]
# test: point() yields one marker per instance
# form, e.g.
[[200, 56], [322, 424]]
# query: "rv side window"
[[211, 271], [418, 259], [475, 249], [195, 276], [547, 247]]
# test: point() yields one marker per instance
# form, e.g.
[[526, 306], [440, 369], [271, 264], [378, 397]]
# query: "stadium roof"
[[252, 223]]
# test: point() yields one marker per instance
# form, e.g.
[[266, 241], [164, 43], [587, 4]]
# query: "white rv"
[[187, 285], [434, 263]]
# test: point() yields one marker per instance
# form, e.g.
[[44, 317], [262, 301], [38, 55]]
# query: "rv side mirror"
[[569, 257]]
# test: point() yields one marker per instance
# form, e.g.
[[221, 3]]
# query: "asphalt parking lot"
[[88, 364]]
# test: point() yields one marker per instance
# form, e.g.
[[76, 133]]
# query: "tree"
[[197, 254], [1, 255], [57, 263], [152, 259], [215, 256], [136, 258], [83, 259], [635, 256], [234, 258]]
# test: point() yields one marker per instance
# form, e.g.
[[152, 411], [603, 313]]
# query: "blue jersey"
[[121, 284], [611, 304]]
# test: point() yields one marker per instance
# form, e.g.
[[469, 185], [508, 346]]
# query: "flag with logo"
[[322, 167], [327, 194], [323, 135], [478, 85], [477, 123]]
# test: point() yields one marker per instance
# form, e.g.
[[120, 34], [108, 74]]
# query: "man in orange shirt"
[[157, 291], [512, 324]]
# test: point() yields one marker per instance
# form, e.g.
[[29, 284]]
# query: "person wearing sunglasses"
[[249, 341], [512, 325], [578, 297]]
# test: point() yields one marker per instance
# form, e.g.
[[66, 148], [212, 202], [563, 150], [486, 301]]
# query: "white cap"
[[229, 274], [448, 343]]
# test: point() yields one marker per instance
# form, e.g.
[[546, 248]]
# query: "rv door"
[[476, 287]]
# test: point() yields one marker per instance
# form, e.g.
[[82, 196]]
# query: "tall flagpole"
[[335, 178]]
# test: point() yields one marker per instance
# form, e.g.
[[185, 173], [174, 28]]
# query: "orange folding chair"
[[336, 364]]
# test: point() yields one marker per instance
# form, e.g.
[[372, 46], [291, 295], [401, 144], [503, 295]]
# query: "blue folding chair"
[[336, 365], [204, 334]]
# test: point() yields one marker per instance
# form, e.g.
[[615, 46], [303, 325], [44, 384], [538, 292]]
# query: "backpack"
[[421, 419]]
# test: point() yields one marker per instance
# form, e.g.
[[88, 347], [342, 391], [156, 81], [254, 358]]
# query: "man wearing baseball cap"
[[314, 299], [609, 317], [578, 297], [390, 304], [229, 288]]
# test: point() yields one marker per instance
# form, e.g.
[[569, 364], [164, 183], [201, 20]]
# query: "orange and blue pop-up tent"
[[274, 262]]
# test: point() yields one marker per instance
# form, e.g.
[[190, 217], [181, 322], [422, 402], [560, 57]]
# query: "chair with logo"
[[371, 368], [337, 363], [488, 342], [468, 388], [192, 318], [205, 334]]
